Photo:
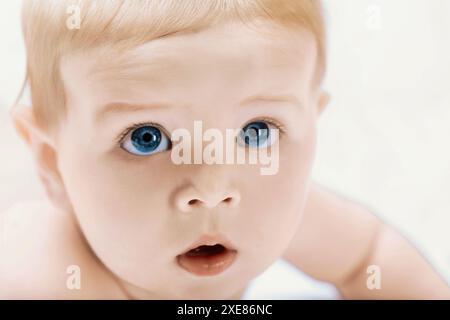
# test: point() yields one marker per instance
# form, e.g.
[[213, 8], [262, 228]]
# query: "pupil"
[[147, 137], [253, 132]]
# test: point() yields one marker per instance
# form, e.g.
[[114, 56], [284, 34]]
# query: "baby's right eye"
[[145, 140]]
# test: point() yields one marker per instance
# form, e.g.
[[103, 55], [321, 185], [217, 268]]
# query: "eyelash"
[[277, 124], [271, 121]]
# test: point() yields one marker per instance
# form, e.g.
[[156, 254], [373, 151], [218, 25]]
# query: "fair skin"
[[124, 223]]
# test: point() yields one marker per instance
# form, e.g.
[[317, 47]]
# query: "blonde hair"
[[129, 23]]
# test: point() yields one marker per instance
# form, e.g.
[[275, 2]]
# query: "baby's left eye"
[[257, 134], [145, 140]]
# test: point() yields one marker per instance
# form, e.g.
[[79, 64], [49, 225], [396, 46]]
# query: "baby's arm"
[[37, 245], [338, 240]]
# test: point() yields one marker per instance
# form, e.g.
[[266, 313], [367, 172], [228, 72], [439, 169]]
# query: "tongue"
[[205, 251]]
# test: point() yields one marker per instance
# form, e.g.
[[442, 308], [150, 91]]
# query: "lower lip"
[[207, 265]]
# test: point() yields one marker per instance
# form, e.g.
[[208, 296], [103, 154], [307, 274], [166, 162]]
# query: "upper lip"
[[210, 240]]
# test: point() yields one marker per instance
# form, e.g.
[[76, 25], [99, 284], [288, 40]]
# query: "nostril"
[[193, 202], [229, 201]]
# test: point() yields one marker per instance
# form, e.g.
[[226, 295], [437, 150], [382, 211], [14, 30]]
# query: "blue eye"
[[256, 134], [145, 140]]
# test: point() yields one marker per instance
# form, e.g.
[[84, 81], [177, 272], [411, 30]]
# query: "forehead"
[[230, 56]]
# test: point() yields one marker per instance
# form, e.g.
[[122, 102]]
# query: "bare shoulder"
[[335, 236], [41, 250]]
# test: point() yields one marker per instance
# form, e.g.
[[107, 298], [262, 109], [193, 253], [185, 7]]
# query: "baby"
[[113, 84]]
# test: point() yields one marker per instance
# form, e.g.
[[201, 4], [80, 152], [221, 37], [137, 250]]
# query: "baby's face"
[[138, 210]]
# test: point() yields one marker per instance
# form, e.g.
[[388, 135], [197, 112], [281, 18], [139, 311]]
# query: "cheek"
[[113, 182], [275, 203], [122, 212], [117, 201]]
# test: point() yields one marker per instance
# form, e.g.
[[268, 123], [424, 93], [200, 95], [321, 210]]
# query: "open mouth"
[[207, 260]]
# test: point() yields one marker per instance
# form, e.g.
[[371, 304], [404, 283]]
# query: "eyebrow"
[[290, 98], [116, 108]]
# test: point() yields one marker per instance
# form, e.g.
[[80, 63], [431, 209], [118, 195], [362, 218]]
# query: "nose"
[[207, 192], [190, 199]]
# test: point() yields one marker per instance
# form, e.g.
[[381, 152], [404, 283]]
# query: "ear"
[[44, 153], [322, 101]]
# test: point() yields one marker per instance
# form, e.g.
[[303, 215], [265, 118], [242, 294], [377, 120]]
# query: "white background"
[[383, 141]]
